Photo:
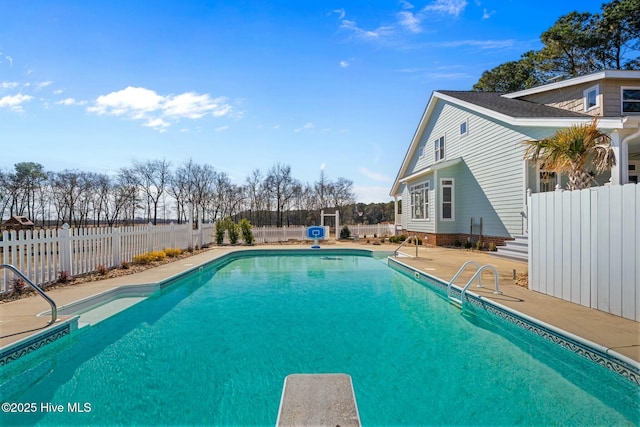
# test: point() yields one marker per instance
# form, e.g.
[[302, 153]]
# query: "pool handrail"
[[476, 275], [54, 308], [460, 270], [395, 253]]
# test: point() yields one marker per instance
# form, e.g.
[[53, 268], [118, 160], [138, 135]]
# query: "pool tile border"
[[603, 356], [37, 341]]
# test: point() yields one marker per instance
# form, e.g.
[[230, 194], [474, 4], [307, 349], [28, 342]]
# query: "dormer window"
[[591, 98], [631, 100], [463, 128]]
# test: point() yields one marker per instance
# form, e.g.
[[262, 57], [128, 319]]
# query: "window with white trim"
[[420, 201], [421, 151], [590, 97], [447, 200], [464, 128], [630, 99], [439, 148]]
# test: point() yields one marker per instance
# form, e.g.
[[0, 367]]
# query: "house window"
[[420, 201], [439, 146], [631, 100], [591, 98], [548, 181], [421, 151], [463, 128], [447, 206]]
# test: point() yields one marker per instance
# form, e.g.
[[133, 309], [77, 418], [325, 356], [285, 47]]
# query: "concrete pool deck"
[[18, 319]]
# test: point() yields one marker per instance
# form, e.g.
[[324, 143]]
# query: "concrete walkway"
[[18, 318]]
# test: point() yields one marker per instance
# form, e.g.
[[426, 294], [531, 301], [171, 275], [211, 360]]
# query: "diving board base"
[[318, 400]]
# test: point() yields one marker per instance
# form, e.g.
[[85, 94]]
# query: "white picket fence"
[[42, 254], [283, 234], [584, 247], [371, 230]]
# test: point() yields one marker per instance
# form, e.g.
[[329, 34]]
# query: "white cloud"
[[374, 175], [157, 124], [9, 85], [406, 4], [379, 32], [410, 21], [132, 100], [40, 85], [341, 13], [14, 102], [9, 59], [221, 128], [57, 91], [447, 7], [159, 111], [69, 101], [306, 126], [486, 14], [344, 64]]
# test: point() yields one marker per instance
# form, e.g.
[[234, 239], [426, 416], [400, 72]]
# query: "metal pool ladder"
[[54, 308], [478, 275]]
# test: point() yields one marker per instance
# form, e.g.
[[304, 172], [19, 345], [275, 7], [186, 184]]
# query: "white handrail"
[[477, 274], [459, 273], [395, 253]]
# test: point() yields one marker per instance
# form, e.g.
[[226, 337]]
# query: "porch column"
[[395, 210], [618, 173]]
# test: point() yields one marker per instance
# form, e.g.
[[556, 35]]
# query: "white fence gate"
[[584, 247], [42, 254]]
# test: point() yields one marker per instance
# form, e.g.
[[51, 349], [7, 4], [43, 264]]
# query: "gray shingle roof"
[[510, 107]]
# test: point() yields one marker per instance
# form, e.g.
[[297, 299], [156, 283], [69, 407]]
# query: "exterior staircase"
[[517, 249]]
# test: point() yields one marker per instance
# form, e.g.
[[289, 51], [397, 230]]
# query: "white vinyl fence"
[[379, 230], [42, 254], [584, 247], [281, 234]]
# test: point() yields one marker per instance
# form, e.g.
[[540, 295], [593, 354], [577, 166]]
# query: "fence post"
[[116, 243], [149, 237], [65, 249]]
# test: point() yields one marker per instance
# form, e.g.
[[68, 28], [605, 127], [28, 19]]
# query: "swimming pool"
[[214, 348]]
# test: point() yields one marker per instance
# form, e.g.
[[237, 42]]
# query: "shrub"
[[247, 232], [173, 252], [468, 244], [64, 277], [18, 286], [457, 243], [101, 269], [149, 257], [233, 230], [492, 246], [345, 233], [220, 229], [125, 265], [479, 245]]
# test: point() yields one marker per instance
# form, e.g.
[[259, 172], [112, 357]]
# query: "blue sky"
[[242, 85]]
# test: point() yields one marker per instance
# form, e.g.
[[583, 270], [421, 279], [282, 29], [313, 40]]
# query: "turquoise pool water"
[[215, 348]]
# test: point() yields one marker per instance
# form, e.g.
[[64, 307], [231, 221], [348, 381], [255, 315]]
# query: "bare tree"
[[153, 178], [281, 187]]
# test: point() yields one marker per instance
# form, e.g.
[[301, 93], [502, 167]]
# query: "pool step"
[[456, 301], [318, 400]]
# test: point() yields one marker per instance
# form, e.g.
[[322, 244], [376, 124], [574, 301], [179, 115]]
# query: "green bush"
[[345, 233], [247, 232], [220, 229], [492, 246], [479, 245], [173, 252], [233, 230], [468, 244]]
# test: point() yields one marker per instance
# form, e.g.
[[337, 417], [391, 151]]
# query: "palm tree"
[[573, 151]]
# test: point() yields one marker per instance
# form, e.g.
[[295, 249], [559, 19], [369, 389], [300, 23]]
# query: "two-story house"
[[464, 173]]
